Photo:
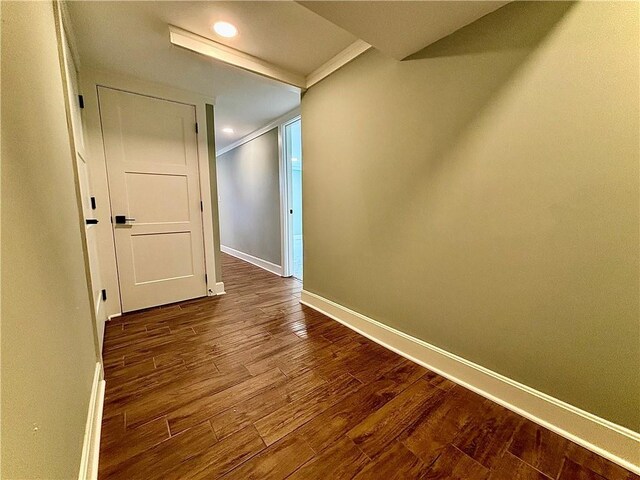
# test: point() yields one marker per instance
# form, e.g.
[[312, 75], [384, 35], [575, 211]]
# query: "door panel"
[[152, 163], [158, 197], [173, 248]]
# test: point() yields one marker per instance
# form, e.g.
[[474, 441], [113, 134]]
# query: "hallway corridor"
[[252, 384]]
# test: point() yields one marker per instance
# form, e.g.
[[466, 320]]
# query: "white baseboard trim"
[[219, 288], [614, 442], [115, 315], [258, 262], [93, 428]]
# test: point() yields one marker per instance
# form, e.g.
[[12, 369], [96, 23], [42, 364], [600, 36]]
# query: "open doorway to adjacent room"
[[259, 190], [256, 186], [293, 165]]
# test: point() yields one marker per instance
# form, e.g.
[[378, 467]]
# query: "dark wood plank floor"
[[253, 385]]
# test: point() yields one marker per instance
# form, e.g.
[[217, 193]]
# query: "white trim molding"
[[611, 441], [354, 50], [93, 427], [287, 117], [258, 262], [283, 185], [204, 46], [69, 33]]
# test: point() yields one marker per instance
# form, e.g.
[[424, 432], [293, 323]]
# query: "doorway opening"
[[293, 165]]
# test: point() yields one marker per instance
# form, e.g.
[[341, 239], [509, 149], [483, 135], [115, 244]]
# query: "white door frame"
[[76, 127], [285, 199], [199, 192], [91, 79]]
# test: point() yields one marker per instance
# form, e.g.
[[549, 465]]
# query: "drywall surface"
[[48, 351], [249, 193], [483, 196], [213, 185]]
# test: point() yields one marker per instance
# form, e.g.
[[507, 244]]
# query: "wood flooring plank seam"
[[169, 362]]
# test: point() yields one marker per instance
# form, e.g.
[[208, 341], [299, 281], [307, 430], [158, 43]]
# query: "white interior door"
[[152, 162], [86, 192]]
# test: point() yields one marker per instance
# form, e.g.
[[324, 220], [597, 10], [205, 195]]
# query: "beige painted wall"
[[213, 185], [249, 191], [484, 196], [48, 352]]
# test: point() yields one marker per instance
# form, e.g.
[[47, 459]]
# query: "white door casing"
[[86, 191], [152, 164]]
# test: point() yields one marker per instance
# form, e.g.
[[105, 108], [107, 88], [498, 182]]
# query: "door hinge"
[[196, 127], [93, 203], [104, 294], [81, 101], [205, 278], [201, 206]]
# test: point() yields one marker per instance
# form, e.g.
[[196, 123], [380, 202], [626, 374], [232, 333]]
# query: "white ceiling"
[[133, 38], [282, 33], [400, 28]]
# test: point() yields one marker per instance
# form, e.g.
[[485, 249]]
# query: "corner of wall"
[[213, 181]]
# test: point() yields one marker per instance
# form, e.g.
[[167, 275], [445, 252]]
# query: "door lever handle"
[[122, 219], [91, 221]]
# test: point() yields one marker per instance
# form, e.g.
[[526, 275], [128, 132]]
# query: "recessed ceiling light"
[[225, 29], [227, 130]]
